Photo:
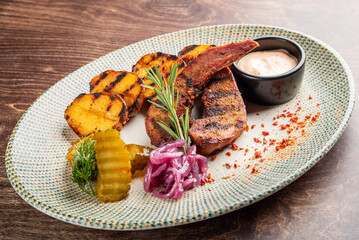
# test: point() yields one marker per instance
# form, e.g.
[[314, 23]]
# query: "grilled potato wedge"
[[190, 52], [123, 83], [90, 113], [164, 63]]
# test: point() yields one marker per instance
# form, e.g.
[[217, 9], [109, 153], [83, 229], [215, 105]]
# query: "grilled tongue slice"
[[224, 118], [190, 81]]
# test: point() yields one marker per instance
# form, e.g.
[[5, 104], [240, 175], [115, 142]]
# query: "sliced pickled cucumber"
[[114, 167]]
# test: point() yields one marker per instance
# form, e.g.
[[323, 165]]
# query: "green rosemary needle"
[[179, 127], [84, 169]]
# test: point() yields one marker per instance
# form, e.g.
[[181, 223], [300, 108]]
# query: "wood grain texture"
[[43, 41]]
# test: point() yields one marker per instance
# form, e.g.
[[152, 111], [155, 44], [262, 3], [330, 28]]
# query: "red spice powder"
[[234, 146], [284, 143], [265, 133], [294, 119], [202, 182], [282, 126], [302, 124], [272, 141], [228, 154], [290, 129], [257, 154]]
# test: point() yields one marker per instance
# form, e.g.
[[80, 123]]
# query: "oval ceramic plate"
[[39, 172]]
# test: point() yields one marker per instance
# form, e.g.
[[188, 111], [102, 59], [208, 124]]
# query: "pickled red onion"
[[174, 171]]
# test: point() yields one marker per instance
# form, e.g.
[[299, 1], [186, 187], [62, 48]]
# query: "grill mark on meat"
[[189, 81], [216, 95], [219, 110], [240, 123], [216, 125], [218, 79]]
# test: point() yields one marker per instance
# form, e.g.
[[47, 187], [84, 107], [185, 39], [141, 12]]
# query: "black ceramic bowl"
[[276, 89]]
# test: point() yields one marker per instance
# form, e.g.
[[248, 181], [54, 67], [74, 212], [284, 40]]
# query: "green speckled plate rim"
[[99, 224]]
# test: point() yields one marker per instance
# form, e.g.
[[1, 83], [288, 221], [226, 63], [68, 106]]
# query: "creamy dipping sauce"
[[267, 63]]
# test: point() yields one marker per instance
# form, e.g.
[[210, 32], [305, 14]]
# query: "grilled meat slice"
[[156, 133], [191, 80], [195, 75], [224, 117]]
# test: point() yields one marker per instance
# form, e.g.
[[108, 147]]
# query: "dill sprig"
[[84, 169], [166, 94]]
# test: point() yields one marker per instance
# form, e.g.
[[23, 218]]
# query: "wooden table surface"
[[43, 41]]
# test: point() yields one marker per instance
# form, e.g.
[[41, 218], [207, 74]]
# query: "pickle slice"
[[114, 167]]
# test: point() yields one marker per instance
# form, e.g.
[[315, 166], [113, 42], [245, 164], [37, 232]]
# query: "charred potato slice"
[[190, 52], [123, 83], [164, 63], [90, 113]]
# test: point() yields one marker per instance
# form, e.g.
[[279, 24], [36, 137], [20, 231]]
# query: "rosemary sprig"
[[179, 127], [84, 168]]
